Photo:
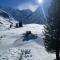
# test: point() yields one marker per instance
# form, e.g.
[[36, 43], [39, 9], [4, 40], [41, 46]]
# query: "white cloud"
[[28, 6]]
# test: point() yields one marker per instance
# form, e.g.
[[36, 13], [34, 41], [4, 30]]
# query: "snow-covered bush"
[[25, 54]]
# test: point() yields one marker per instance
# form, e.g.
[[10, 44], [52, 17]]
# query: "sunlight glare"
[[40, 1]]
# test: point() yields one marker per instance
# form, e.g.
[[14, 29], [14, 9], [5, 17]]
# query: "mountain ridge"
[[26, 16]]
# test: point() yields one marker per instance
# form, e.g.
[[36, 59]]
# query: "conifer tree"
[[20, 23], [52, 29]]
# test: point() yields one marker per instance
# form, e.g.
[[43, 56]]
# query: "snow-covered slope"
[[3, 22], [12, 46], [6, 20]]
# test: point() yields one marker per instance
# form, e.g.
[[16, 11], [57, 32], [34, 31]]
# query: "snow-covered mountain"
[[37, 16], [12, 46], [18, 15], [6, 20], [26, 16]]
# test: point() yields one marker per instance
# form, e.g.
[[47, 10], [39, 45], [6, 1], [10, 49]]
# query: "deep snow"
[[12, 46]]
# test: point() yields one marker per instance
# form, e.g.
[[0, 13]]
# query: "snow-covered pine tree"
[[52, 29]]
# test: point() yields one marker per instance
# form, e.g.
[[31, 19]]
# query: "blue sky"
[[23, 4]]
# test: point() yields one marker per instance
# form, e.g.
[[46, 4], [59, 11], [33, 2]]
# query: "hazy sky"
[[23, 4]]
